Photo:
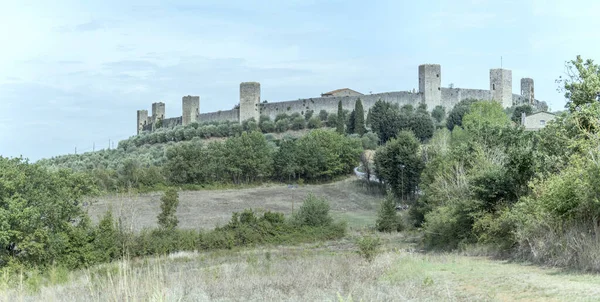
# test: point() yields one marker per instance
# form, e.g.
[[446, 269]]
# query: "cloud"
[[90, 26]]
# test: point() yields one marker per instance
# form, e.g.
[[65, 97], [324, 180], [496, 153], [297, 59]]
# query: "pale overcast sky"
[[74, 74]]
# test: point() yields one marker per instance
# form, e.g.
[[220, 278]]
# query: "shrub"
[[267, 127], [308, 114], [169, 201], [323, 115], [314, 123], [298, 123], [332, 120], [387, 218], [438, 113], [370, 141], [368, 247], [314, 212], [282, 125]]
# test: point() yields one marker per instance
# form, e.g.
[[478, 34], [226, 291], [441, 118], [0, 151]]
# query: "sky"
[[73, 73]]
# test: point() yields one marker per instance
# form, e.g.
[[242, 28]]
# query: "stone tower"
[[501, 86], [158, 113], [249, 101], [527, 90], [142, 119], [430, 84], [190, 109]]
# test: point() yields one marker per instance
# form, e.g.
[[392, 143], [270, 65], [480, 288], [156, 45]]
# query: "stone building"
[[341, 92], [536, 121]]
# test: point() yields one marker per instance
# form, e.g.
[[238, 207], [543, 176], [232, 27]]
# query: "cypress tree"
[[340, 119], [359, 118], [167, 219]]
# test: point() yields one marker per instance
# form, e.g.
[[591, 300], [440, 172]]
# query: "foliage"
[[368, 247], [350, 122], [582, 83], [332, 120], [314, 123], [399, 164], [516, 115], [455, 116], [314, 212], [41, 218], [370, 141], [167, 218], [438, 113], [359, 118], [339, 127], [323, 115], [388, 219], [308, 114], [421, 125], [321, 154]]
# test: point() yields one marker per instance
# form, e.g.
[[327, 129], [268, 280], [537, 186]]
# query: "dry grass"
[[322, 272], [206, 209]]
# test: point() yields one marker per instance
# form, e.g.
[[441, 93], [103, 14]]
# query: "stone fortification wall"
[[330, 104], [172, 122], [226, 115], [451, 96]]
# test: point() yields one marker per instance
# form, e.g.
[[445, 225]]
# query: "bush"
[[332, 120], [370, 141], [387, 218], [267, 127], [167, 218], [368, 247], [314, 212], [298, 123], [308, 114], [323, 115], [282, 125], [314, 123]]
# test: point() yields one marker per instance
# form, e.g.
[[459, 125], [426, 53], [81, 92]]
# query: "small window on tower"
[[437, 75], [493, 86], [542, 122]]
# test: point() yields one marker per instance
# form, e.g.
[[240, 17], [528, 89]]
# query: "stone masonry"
[[430, 93]]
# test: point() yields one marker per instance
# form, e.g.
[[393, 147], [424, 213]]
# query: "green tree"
[[384, 119], [485, 120], [399, 164], [314, 123], [248, 157], [581, 84], [323, 115], [359, 118], [340, 119], [455, 117], [167, 218], [438, 113], [421, 124], [106, 241], [387, 218], [350, 122], [516, 115]]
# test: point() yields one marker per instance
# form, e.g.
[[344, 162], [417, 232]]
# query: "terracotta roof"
[[339, 90]]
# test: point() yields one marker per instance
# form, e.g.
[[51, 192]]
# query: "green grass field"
[[321, 271]]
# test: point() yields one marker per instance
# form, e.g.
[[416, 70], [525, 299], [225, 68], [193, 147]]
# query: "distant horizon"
[[75, 74]]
